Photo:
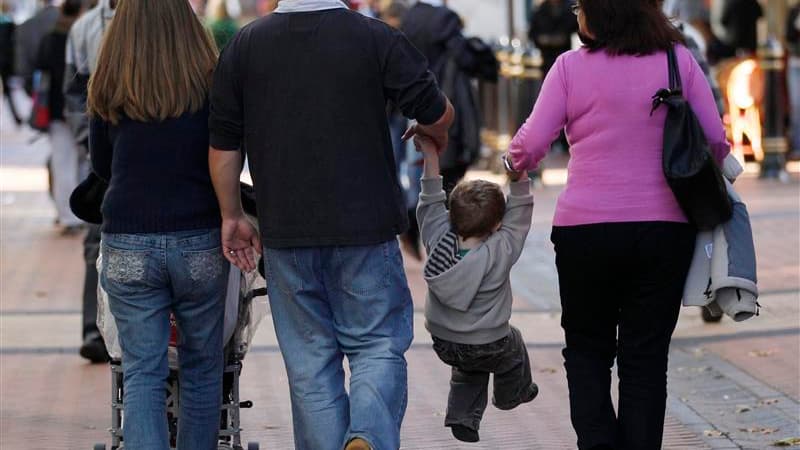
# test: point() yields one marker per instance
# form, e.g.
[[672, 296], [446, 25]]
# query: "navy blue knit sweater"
[[157, 172]]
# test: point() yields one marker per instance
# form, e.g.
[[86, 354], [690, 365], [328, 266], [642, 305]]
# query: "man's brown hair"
[[476, 207], [156, 62]]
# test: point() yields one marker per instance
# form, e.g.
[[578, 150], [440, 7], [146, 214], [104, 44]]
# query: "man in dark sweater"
[[436, 31], [304, 93]]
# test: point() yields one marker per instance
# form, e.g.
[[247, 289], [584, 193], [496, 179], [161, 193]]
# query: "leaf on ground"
[[759, 430], [714, 433], [742, 409], [548, 370], [40, 294], [769, 401], [761, 353], [699, 352], [788, 442]]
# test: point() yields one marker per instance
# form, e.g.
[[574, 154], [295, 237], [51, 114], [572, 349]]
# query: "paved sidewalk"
[[731, 385]]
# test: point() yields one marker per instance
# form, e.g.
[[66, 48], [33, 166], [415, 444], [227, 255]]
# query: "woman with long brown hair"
[[161, 237], [623, 245]]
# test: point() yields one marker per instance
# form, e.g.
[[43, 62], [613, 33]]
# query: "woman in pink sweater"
[[623, 246]]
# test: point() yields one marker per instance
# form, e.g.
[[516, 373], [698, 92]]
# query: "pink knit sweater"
[[614, 172]]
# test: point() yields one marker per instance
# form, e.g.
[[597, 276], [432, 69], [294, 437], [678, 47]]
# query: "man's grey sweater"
[[470, 302]]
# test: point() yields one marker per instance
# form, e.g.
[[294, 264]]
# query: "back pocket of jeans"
[[364, 271], [124, 266], [204, 265]]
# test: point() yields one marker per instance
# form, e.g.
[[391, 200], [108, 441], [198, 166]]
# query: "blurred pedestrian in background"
[[695, 16], [370, 8], [7, 30], [50, 57], [698, 50], [437, 31], [793, 74], [735, 25], [552, 25], [623, 246], [83, 46], [148, 102], [218, 19], [408, 161], [28, 37]]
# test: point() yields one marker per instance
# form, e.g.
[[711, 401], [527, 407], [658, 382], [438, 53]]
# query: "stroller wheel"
[[252, 446], [99, 446]]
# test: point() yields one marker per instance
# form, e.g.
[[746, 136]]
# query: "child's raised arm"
[[432, 215], [519, 211]]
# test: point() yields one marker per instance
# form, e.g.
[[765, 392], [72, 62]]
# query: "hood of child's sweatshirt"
[[459, 284]]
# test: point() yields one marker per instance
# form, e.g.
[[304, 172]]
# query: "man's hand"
[[437, 132], [240, 242]]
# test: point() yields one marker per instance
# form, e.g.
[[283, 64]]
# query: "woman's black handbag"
[[689, 167]]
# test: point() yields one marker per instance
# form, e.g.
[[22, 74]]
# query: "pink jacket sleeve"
[[698, 93], [532, 142]]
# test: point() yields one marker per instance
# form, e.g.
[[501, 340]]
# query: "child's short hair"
[[476, 207]]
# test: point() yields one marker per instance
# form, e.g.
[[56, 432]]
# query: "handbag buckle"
[[661, 96]]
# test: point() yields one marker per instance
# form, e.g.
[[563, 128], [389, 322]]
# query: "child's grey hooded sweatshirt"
[[469, 299]]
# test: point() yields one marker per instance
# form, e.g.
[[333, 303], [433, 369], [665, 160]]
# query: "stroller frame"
[[230, 417]]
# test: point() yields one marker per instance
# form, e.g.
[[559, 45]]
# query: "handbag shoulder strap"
[[675, 87], [674, 71]]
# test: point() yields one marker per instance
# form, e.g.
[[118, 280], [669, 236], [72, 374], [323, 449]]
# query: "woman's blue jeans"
[[147, 276], [332, 302]]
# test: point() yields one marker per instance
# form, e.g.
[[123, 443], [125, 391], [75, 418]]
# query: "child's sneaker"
[[464, 434], [531, 394]]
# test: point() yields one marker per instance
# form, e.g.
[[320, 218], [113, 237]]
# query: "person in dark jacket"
[[551, 27], [63, 151], [436, 31], [27, 38], [83, 46], [7, 30], [735, 23]]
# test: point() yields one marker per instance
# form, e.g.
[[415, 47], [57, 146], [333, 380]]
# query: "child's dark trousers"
[[507, 359]]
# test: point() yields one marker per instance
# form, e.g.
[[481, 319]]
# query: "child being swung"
[[471, 249]]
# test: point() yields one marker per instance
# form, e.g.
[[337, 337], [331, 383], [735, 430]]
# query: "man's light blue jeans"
[[146, 276], [332, 302]]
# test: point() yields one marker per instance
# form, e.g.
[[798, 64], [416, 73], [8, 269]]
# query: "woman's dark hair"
[[628, 27]]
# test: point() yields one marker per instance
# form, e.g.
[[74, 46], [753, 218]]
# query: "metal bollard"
[[526, 84], [504, 100], [487, 94], [774, 141], [527, 81]]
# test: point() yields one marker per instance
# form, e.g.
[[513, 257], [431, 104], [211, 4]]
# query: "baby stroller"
[[245, 307]]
